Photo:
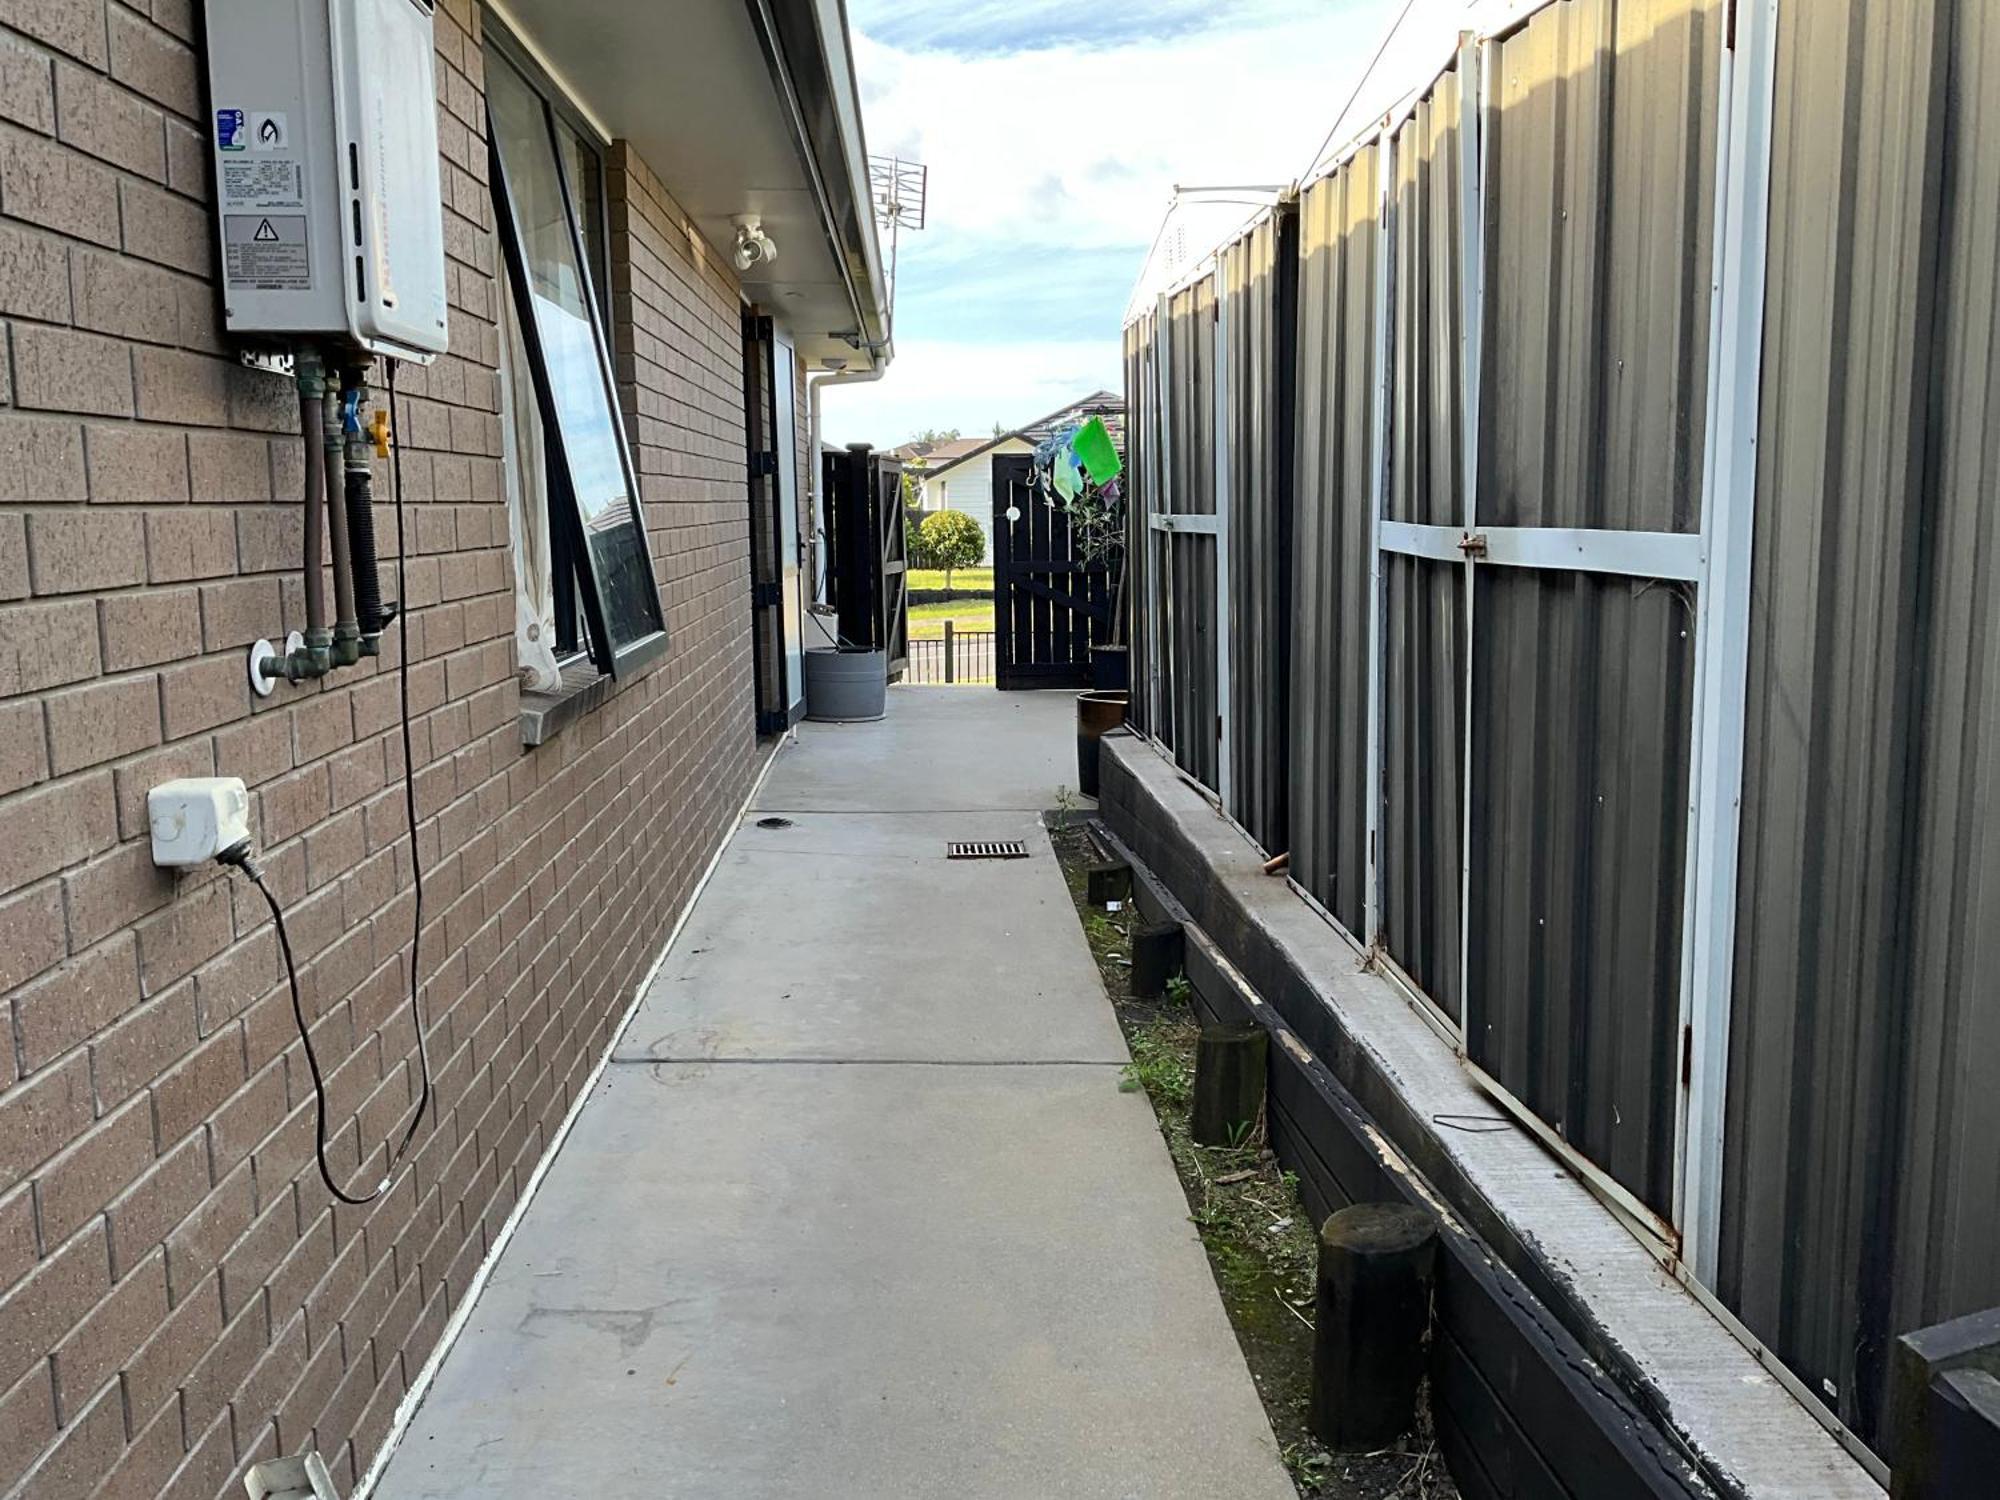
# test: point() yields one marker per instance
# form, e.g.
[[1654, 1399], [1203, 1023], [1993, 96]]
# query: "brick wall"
[[178, 1295]]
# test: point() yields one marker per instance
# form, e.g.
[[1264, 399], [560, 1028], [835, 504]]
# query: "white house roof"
[[1106, 404]]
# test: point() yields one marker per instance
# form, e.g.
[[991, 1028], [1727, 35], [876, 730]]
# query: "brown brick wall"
[[178, 1294]]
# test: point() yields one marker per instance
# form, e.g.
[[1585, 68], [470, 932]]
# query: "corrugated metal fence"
[[1862, 1191], [1614, 506]]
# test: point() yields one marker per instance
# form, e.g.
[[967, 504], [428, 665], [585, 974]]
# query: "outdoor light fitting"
[[753, 247]]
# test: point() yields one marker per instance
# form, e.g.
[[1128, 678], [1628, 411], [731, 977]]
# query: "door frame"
[[762, 462]]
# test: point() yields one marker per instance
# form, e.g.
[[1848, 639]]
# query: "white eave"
[[740, 107]]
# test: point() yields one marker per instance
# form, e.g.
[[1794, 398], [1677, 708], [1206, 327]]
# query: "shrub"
[[949, 539]]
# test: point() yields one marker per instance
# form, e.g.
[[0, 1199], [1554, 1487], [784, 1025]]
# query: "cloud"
[[1054, 135], [1001, 26]]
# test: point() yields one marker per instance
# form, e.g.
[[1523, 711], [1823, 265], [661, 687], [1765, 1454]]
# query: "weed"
[[1162, 1064], [1065, 803], [1238, 1266], [1180, 991], [1307, 1461]]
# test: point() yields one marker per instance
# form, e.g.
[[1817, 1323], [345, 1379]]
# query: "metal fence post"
[[1380, 357], [1722, 626], [950, 674]]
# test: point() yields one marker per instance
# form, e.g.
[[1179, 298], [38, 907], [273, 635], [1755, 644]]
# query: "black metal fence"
[[961, 658]]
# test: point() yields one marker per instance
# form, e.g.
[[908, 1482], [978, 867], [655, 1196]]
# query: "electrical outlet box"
[[323, 128], [196, 818]]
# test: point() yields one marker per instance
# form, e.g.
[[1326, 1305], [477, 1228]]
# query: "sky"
[[1054, 135]]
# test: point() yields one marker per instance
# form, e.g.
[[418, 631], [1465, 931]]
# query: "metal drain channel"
[[986, 849]]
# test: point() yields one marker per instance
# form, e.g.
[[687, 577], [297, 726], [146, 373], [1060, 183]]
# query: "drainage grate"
[[986, 849]]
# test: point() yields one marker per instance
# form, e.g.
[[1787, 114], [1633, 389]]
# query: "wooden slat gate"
[[866, 542], [890, 531], [1049, 608]]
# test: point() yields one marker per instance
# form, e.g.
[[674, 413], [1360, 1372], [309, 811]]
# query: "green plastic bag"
[[1065, 475], [1095, 451]]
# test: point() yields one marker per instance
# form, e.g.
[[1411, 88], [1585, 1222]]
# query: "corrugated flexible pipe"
[[368, 609], [346, 633]]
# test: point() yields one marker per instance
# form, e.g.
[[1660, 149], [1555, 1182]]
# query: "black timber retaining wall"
[[1523, 1408]]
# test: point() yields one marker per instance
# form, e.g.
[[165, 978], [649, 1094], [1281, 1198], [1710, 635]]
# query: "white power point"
[[197, 818]]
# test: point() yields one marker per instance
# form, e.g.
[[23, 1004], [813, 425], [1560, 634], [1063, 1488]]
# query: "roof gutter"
[[806, 45]]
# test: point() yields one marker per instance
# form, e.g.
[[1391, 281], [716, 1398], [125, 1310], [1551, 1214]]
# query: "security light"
[[753, 247]]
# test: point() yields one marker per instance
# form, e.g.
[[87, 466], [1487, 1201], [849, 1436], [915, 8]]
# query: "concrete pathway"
[[858, 1209]]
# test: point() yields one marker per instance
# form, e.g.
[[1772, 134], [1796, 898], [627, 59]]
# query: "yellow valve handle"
[[378, 429]]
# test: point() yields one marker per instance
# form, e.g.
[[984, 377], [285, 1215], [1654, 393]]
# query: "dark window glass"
[[586, 186], [563, 327]]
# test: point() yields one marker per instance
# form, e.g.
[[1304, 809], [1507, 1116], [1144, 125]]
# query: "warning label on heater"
[[266, 252]]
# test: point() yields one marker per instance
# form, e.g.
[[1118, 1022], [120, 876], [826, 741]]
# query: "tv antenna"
[[899, 189]]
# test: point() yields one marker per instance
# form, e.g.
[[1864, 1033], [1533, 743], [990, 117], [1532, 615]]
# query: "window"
[[583, 573]]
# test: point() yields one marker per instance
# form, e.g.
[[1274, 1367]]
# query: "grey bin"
[[845, 687]]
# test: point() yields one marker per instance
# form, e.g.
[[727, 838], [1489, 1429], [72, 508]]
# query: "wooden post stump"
[[1373, 1313], [1158, 952], [1108, 882], [1228, 1084]]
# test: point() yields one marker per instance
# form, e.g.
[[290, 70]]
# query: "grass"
[[963, 580], [927, 620], [1163, 1063]]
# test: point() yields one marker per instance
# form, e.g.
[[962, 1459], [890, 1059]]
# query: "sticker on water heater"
[[260, 183], [229, 132], [266, 252], [268, 132]]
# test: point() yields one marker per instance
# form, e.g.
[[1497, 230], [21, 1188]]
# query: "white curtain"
[[524, 465]]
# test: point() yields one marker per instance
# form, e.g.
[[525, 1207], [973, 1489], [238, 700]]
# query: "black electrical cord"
[[409, 772], [243, 860]]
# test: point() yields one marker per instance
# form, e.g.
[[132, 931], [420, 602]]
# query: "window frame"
[[498, 38], [571, 564]]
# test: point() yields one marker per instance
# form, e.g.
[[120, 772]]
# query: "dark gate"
[[1049, 608], [893, 563], [869, 573]]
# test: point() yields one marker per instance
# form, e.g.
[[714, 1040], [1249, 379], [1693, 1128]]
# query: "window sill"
[[543, 715]]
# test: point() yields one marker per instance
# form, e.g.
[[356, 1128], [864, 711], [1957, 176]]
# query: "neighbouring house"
[[958, 474], [603, 487]]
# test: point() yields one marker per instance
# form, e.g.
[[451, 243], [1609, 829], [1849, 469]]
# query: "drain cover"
[[986, 849]]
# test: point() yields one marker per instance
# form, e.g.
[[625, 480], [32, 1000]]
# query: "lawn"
[[978, 580], [927, 620]]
